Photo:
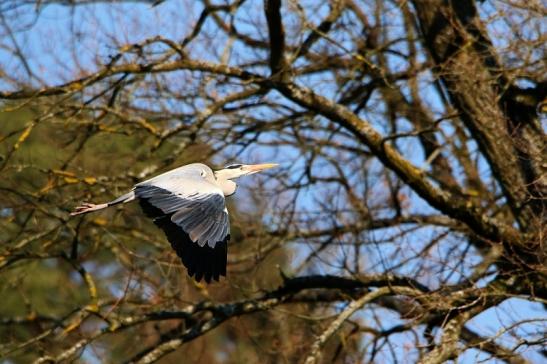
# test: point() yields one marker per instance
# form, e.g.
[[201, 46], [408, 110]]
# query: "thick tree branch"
[[461, 210], [133, 68], [470, 72], [286, 293], [278, 64]]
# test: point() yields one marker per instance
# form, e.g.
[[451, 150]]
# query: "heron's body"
[[188, 204]]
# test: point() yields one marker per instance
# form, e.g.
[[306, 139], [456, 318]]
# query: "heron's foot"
[[87, 207]]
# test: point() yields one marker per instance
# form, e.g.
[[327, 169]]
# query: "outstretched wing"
[[191, 211]]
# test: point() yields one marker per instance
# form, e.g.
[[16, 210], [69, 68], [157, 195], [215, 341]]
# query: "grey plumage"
[[188, 204], [202, 216], [192, 195]]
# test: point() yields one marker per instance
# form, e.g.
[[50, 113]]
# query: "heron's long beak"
[[253, 168]]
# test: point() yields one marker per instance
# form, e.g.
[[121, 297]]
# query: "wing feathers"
[[198, 228]]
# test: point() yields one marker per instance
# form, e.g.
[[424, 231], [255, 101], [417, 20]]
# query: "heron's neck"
[[228, 187]]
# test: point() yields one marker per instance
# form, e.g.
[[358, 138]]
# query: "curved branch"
[[464, 211]]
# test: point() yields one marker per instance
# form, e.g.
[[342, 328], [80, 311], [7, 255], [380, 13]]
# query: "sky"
[[46, 39]]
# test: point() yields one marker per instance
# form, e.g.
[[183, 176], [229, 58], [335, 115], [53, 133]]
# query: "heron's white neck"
[[224, 179], [228, 187]]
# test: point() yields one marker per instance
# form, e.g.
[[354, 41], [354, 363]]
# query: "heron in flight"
[[188, 204]]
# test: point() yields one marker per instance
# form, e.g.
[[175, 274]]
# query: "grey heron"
[[188, 204]]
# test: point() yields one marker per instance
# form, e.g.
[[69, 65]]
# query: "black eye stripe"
[[233, 166]]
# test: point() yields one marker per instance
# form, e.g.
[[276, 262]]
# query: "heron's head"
[[233, 171]]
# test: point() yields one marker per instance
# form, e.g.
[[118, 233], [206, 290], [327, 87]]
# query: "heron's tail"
[[90, 207], [129, 196]]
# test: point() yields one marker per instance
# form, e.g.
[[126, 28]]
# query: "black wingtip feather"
[[201, 262]]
